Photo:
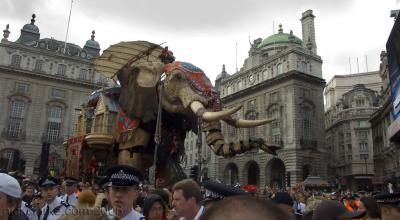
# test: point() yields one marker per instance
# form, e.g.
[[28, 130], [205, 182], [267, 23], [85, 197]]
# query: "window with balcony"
[[16, 120], [54, 124], [16, 61]]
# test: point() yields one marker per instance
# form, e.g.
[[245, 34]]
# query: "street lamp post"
[[199, 143]]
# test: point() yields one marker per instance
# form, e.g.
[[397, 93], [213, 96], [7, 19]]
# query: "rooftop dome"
[[223, 74], [32, 28], [29, 33], [92, 43], [280, 38]]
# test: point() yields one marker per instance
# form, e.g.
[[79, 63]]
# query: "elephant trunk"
[[216, 141]]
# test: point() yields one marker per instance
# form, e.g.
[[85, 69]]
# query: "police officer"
[[124, 190], [390, 205], [217, 191], [29, 210], [71, 186], [55, 207]]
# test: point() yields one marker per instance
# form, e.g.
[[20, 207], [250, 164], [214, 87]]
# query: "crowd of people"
[[121, 195]]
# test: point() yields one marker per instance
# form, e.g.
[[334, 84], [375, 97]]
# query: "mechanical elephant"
[[187, 95]]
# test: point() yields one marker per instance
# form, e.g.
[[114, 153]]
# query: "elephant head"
[[187, 91]]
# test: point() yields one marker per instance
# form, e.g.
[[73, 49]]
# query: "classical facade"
[[350, 101], [386, 152], [208, 159], [281, 79], [43, 81]]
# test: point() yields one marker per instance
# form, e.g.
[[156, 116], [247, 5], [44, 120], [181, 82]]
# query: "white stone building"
[[41, 87], [281, 78]]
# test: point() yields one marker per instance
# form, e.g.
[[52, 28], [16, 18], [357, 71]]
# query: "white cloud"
[[205, 32]]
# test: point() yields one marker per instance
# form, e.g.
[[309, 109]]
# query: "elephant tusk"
[[242, 123], [199, 109]]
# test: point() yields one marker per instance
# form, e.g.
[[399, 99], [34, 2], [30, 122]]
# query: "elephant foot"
[[137, 160]]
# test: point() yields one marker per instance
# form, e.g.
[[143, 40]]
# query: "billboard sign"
[[393, 56]]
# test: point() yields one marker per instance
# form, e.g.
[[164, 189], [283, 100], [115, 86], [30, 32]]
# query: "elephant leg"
[[137, 160], [129, 153]]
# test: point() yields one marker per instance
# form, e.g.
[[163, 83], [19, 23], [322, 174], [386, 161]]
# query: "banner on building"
[[74, 156]]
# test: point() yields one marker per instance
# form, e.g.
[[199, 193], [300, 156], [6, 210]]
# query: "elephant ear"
[[138, 67]]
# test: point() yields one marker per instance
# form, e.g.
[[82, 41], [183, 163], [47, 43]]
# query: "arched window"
[[16, 61], [16, 120], [54, 124], [279, 68]]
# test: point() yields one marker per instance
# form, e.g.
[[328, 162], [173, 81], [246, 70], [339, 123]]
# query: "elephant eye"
[[178, 77]]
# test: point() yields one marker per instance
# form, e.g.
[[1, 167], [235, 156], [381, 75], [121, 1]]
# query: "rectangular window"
[[276, 139], [61, 69], [306, 128], [363, 146], [360, 102], [14, 127], [349, 147], [39, 65], [53, 131], [16, 119], [341, 148], [16, 61], [349, 157], [21, 87], [82, 74], [58, 93]]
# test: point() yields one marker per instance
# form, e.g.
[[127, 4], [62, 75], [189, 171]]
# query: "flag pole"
[[66, 35]]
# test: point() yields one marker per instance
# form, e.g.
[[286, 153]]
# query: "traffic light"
[[194, 172]]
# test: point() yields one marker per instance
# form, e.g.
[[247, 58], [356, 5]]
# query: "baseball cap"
[[330, 210], [9, 186]]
